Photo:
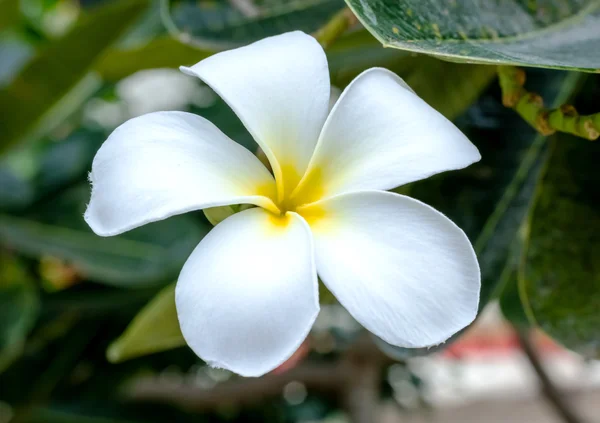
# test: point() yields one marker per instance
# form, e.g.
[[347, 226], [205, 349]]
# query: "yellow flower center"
[[295, 192]]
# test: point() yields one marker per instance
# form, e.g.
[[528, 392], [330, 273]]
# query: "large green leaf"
[[57, 80], [543, 33], [148, 255], [19, 306], [154, 329], [561, 270]]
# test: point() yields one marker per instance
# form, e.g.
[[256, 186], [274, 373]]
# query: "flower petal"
[[279, 88], [381, 135], [402, 269], [248, 295], [167, 163]]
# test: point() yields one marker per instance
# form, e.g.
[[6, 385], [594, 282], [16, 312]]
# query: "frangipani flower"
[[248, 295]]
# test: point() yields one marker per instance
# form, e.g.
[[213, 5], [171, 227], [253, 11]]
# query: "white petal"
[[248, 295], [402, 269], [166, 163], [381, 135], [279, 88]]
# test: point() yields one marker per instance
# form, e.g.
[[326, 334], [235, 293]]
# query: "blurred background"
[[70, 352]]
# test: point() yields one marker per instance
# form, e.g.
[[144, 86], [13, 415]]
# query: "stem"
[[335, 27], [553, 395], [531, 108]]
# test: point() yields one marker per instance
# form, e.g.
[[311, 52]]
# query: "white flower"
[[248, 295]]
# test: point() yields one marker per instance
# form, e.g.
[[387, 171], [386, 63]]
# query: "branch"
[[324, 378], [553, 395], [354, 379], [336, 26], [531, 107]]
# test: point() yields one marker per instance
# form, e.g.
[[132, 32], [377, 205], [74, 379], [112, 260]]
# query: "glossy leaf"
[[145, 256], [56, 81], [561, 270], [154, 329], [543, 33], [19, 306]]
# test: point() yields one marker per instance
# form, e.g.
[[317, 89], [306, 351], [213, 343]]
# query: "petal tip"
[[187, 70]]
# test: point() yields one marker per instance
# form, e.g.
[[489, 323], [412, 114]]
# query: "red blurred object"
[[295, 359], [500, 340]]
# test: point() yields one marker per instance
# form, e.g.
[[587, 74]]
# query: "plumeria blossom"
[[248, 294]]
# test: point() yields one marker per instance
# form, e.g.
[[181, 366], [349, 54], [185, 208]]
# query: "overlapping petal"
[[402, 269], [248, 296], [279, 88], [166, 163], [381, 135]]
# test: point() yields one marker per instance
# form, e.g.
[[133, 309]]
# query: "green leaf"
[[163, 52], [220, 25], [66, 161], [561, 271], [19, 306], [9, 13], [510, 296], [547, 33], [154, 329], [145, 256], [57, 80], [450, 88], [15, 192]]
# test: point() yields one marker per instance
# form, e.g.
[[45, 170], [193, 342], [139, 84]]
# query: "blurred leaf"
[[15, 192], [164, 52], [53, 166], [19, 305], [350, 54], [561, 270], [66, 161], [145, 256], [56, 81], [509, 297], [9, 13], [450, 88], [511, 305], [546, 33], [15, 51], [222, 25], [154, 329]]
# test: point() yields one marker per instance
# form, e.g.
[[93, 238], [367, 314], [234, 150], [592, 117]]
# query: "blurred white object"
[[156, 90]]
